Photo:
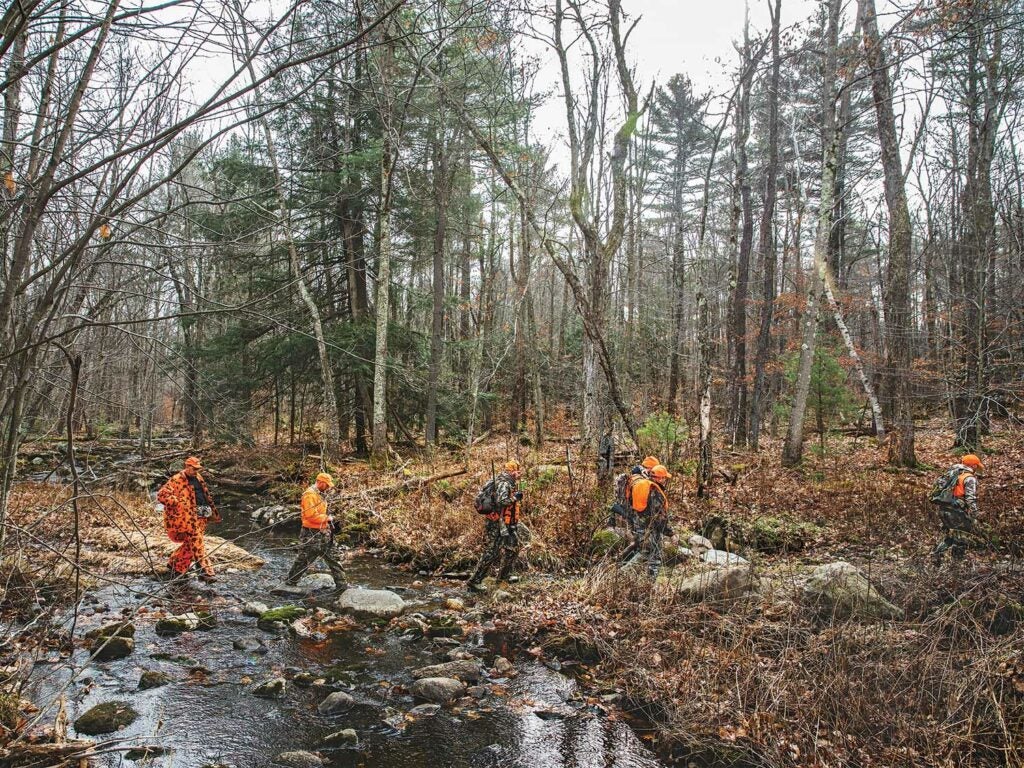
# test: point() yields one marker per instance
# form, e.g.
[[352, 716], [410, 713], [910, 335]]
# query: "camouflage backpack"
[[486, 500], [942, 491]]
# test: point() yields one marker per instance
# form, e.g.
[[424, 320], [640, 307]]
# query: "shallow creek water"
[[209, 715]]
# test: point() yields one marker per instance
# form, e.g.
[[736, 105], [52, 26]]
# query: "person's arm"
[[168, 493], [971, 495]]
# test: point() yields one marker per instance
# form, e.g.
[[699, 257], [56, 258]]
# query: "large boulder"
[[465, 670], [718, 584], [840, 590], [317, 582], [275, 514], [105, 718], [719, 557], [371, 603], [699, 544], [437, 690]]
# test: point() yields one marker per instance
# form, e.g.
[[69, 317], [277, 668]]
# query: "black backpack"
[[942, 491], [486, 500]]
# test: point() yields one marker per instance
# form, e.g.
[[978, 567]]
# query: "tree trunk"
[[704, 452], [897, 288], [440, 171]]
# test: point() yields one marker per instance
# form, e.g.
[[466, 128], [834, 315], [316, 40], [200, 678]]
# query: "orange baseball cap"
[[193, 461], [326, 478], [650, 462]]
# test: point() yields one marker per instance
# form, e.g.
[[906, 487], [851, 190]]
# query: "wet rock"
[[186, 622], [443, 626], [317, 582], [371, 603], [842, 591], [337, 703], [466, 671], [699, 544], [425, 710], [477, 691], [145, 753], [110, 648], [105, 718], [503, 666], [304, 679], [718, 584], [247, 645], [153, 678], [343, 738], [720, 557], [116, 629], [278, 618], [437, 690], [274, 514], [300, 759], [271, 689], [254, 608]]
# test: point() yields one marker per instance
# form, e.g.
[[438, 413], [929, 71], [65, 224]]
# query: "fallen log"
[[36, 755], [388, 491]]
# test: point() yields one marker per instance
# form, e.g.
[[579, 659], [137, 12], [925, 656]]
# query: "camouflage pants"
[[314, 544], [632, 523], [497, 547], [648, 538], [955, 522]]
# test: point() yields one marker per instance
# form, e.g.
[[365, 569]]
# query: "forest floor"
[[753, 673]]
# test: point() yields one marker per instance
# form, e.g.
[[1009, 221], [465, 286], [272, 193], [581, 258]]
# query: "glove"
[[519, 495], [204, 511]]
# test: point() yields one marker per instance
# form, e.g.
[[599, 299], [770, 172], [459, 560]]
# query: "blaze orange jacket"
[[638, 492], [179, 499], [314, 510]]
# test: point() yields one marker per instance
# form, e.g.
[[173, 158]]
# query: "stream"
[[208, 716]]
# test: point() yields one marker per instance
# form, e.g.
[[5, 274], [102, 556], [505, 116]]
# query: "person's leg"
[[330, 556], [509, 555], [654, 547], [492, 547], [198, 545], [303, 559]]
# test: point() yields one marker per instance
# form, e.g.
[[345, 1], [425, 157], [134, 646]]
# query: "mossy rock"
[[186, 622], [770, 534], [283, 615], [9, 710], [117, 629], [145, 753], [111, 648], [605, 542], [106, 718], [153, 678]]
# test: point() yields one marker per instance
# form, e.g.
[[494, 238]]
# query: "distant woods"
[[342, 225]]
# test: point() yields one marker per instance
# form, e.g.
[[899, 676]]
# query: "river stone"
[[317, 582], [503, 666], [116, 629], [466, 671], [371, 603], [336, 703], [110, 648], [248, 645], [136, 754], [343, 738], [105, 718], [186, 622], [842, 591], [718, 584], [271, 689], [275, 514], [153, 678], [300, 759], [720, 557], [454, 604], [438, 690], [254, 608]]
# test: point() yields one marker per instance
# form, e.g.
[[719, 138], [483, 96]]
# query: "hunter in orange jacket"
[[185, 498], [316, 540]]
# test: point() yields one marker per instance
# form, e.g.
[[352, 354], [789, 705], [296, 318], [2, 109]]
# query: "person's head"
[[192, 466], [972, 461], [660, 474], [324, 481], [650, 463], [512, 467]]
